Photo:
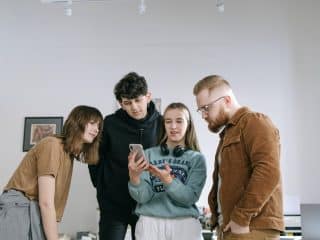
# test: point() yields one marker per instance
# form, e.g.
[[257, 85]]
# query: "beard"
[[217, 124]]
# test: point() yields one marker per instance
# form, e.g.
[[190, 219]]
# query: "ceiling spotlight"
[[67, 8], [68, 11], [220, 5], [142, 7]]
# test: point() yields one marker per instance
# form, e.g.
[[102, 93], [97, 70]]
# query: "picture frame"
[[36, 128]]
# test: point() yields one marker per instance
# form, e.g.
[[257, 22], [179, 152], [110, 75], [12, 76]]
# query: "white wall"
[[266, 48], [307, 86]]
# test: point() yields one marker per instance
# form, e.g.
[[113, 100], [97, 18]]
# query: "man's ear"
[[149, 96], [228, 100], [120, 103]]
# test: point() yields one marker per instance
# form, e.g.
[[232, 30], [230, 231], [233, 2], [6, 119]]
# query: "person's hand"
[[136, 167], [206, 211], [163, 174], [236, 228]]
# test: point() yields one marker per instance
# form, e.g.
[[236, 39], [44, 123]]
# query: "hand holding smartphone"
[[138, 148]]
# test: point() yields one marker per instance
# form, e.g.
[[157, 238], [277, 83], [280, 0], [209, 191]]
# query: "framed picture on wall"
[[36, 128]]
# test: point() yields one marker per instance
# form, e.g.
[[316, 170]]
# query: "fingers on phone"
[[132, 156], [142, 163]]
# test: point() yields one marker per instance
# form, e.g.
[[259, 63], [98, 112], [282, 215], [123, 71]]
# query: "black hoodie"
[[111, 176]]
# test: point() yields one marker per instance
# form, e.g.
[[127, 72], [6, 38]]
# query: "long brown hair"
[[73, 130], [191, 140]]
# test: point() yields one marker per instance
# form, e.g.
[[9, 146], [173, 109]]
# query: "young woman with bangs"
[[34, 199]]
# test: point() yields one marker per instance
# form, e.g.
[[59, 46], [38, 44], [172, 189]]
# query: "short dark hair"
[[130, 86]]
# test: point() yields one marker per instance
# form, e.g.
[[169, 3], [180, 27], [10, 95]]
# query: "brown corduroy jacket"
[[250, 191]]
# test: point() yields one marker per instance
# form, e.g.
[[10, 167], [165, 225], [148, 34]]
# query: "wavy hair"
[[191, 140], [130, 86], [73, 130]]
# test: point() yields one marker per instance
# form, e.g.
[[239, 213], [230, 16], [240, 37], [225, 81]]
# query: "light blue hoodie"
[[179, 197]]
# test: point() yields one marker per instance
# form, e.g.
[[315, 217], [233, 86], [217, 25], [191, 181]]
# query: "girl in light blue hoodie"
[[168, 182]]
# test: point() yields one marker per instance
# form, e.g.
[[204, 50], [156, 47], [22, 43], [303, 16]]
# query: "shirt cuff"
[[240, 217]]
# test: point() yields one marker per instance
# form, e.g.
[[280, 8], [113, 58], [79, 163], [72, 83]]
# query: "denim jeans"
[[111, 228]]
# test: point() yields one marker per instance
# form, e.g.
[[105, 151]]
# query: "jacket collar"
[[235, 119], [237, 116]]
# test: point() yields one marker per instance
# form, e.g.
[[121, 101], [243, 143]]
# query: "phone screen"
[[138, 148]]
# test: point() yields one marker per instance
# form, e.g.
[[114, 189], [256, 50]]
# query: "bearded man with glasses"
[[246, 196]]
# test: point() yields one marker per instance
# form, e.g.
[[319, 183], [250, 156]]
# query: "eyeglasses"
[[205, 108]]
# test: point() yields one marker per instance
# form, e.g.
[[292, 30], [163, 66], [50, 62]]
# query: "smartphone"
[[138, 148]]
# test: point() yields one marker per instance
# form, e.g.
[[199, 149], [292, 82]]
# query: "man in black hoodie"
[[137, 121]]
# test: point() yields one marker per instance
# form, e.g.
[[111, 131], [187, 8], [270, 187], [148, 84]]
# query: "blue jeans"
[[111, 228]]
